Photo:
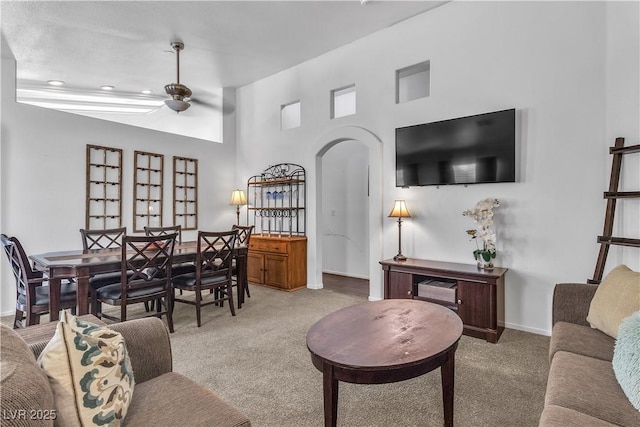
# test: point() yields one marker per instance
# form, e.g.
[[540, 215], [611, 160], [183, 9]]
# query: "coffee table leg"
[[447, 372], [330, 386]]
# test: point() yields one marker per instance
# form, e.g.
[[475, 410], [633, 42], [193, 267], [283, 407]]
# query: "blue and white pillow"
[[626, 358]]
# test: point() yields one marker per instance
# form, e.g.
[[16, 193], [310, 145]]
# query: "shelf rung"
[[621, 194], [625, 150], [619, 241]]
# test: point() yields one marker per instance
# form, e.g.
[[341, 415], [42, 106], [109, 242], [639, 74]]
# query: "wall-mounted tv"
[[466, 150]]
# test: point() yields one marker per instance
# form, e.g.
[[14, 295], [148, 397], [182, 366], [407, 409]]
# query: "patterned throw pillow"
[[616, 298], [626, 358], [90, 373]]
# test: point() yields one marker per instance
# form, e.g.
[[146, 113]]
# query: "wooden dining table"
[[83, 264]]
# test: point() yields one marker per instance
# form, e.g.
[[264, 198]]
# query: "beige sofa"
[[161, 397], [582, 389]]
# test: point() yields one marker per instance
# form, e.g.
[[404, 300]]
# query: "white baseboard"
[[315, 286], [339, 273], [527, 329], [374, 299]]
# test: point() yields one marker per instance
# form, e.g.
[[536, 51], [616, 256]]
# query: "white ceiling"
[[227, 43]]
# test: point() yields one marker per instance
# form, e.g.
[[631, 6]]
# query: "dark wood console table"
[[479, 294]]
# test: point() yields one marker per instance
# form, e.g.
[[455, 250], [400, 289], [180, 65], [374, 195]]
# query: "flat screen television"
[[466, 150]]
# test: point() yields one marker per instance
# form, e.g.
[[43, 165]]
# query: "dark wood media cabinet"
[[479, 294]]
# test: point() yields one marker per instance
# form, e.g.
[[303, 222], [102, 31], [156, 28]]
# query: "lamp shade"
[[238, 198], [399, 210]]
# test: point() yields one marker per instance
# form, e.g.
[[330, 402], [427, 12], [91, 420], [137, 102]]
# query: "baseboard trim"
[[337, 273], [315, 286], [536, 331]]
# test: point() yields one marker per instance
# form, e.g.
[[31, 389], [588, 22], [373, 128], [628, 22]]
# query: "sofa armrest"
[[148, 345], [571, 302]]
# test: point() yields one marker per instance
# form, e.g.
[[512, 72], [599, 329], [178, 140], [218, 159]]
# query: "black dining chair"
[[177, 269], [244, 236], [145, 276], [102, 239], [213, 272], [32, 290]]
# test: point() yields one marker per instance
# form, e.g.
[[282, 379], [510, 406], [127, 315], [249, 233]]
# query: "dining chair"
[[101, 239], [178, 269], [32, 290], [145, 276], [213, 272], [244, 236]]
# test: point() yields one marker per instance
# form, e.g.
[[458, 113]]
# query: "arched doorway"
[[315, 233]]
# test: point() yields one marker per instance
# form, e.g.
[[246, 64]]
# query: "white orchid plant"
[[482, 214]]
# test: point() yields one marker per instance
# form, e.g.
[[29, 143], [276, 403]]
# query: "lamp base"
[[399, 257]]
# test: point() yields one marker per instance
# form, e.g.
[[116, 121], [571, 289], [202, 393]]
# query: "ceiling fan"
[[181, 96], [178, 92]]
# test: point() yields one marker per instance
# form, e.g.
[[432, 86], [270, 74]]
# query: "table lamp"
[[239, 199], [399, 211]]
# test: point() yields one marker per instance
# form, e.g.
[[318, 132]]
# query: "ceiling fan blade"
[[198, 101], [226, 108]]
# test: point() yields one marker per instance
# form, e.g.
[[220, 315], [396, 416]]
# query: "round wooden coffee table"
[[382, 342]]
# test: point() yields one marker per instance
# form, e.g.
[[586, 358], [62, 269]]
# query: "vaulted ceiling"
[[126, 44]]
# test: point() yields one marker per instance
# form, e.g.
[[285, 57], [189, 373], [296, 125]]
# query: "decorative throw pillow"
[[626, 358], [617, 297], [90, 373]]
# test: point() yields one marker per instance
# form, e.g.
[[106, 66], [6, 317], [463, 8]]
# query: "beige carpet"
[[258, 361]]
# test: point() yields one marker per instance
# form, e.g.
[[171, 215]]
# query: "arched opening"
[[315, 233]]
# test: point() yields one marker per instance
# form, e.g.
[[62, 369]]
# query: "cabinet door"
[[474, 303], [255, 268], [275, 271], [400, 285]]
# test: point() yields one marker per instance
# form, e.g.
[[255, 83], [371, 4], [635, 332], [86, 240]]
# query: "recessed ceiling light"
[[55, 82], [106, 87], [147, 91]]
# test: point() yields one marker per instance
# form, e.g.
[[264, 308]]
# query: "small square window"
[[343, 101], [290, 115], [413, 82]]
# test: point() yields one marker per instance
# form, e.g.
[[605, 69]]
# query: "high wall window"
[[290, 115], [413, 82], [343, 101]]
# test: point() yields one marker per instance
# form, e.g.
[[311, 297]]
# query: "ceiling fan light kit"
[[178, 92]]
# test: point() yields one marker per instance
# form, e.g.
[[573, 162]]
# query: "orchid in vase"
[[483, 234]]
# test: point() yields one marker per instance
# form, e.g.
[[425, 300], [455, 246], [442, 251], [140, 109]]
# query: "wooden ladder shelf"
[[612, 196]]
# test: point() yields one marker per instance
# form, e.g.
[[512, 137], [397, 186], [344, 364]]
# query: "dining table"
[[81, 265]]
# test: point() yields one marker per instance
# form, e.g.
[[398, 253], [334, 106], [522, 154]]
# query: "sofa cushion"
[[589, 386], [626, 358], [187, 400], [24, 386], [557, 416], [89, 372], [617, 297], [581, 340]]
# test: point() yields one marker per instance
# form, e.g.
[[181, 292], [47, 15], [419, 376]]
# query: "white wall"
[[43, 175], [549, 60], [623, 119], [345, 210]]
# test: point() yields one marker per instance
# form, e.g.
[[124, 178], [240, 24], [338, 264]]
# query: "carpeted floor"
[[258, 362]]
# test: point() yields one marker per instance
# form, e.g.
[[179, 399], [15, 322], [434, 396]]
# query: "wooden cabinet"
[[479, 294], [278, 262]]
